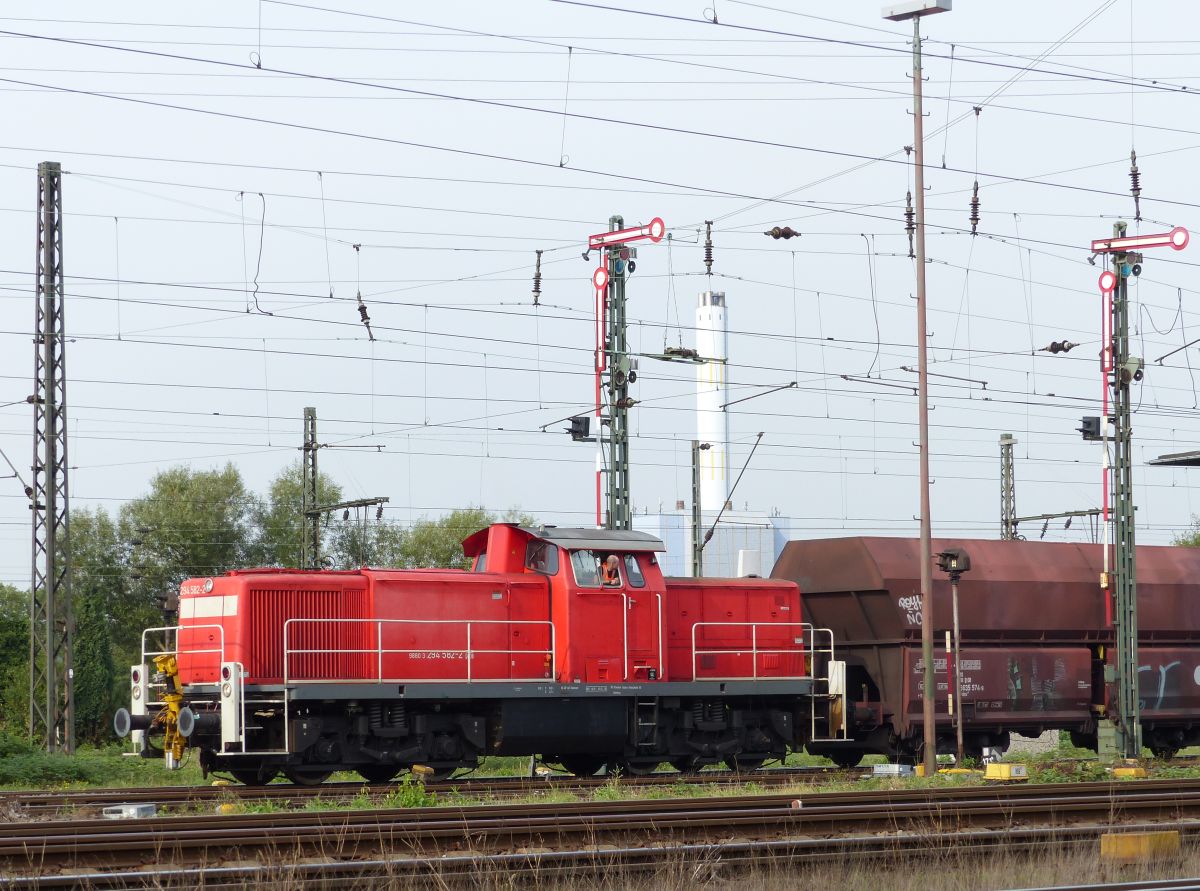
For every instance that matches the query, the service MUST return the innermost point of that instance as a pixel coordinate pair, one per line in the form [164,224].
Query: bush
[43,769]
[14,745]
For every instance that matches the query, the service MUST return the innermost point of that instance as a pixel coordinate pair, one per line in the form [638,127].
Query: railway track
[179,798]
[586,835]
[475,869]
[285,794]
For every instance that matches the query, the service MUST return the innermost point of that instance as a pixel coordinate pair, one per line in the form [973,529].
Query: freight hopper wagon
[1036,641]
[564,643]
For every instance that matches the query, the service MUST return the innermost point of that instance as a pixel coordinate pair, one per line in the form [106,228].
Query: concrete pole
[930,740]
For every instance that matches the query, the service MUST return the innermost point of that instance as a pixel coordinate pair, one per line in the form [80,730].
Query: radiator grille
[268,611]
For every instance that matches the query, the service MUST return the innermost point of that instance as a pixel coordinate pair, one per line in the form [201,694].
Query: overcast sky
[212,210]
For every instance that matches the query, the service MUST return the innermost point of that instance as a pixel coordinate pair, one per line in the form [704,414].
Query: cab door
[643,621]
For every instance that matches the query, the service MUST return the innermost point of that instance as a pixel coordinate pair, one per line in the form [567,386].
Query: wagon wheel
[378,773]
[1165,752]
[846,758]
[582,765]
[307,777]
[743,763]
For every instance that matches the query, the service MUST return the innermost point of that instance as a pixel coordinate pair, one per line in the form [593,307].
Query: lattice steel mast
[51,620]
[310,545]
[1008,489]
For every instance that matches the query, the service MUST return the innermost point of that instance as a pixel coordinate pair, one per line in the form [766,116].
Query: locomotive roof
[578,539]
[598,539]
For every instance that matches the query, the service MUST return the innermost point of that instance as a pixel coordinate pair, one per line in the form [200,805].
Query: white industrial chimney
[712,423]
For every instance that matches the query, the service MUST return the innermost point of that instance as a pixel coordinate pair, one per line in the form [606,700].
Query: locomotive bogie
[630,734]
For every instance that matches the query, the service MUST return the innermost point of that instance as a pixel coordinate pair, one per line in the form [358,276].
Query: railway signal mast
[1118,371]
[614,366]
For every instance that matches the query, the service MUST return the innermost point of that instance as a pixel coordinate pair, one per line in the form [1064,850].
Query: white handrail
[379,650]
[220,649]
[809,633]
[662,667]
[624,636]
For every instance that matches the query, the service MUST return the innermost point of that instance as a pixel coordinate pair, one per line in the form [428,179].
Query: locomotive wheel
[743,763]
[253,776]
[307,777]
[846,758]
[688,764]
[582,765]
[638,768]
[378,773]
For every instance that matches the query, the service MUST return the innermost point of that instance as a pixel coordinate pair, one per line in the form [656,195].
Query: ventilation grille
[337,640]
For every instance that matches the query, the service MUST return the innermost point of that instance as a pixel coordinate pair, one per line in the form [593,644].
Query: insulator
[910,223]
[1135,186]
[537,278]
[778,232]
[975,208]
[708,246]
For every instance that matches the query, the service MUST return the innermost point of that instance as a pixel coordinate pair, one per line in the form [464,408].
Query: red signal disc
[1108,281]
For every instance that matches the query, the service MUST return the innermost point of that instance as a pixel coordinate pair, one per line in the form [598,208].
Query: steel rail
[416,831]
[580,862]
[470,786]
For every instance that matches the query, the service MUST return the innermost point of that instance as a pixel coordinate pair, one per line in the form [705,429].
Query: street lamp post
[900,12]
[955,561]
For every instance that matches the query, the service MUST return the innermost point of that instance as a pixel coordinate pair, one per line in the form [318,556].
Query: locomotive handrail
[380,651]
[809,631]
[148,655]
[174,651]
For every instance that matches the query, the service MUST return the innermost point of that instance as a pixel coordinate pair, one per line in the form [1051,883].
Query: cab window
[541,556]
[586,566]
[633,572]
[480,563]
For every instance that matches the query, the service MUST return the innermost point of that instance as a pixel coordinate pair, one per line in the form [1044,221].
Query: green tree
[14,659]
[194,523]
[1191,537]
[101,574]
[95,672]
[427,543]
[109,619]
[279,527]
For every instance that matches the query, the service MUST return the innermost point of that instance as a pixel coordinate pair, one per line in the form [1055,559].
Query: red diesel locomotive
[567,644]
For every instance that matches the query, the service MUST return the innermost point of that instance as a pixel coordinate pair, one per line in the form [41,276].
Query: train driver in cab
[610,573]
